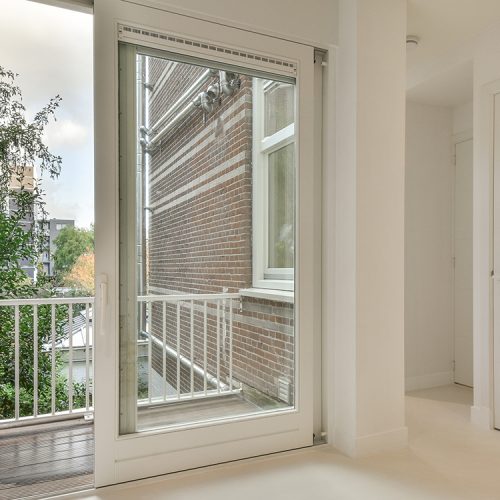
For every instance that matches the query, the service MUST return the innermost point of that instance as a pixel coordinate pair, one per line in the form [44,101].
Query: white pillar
[368,317]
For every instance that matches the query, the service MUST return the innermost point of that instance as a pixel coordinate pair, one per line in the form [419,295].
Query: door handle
[103,301]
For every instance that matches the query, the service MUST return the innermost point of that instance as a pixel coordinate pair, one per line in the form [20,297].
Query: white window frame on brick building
[265,276]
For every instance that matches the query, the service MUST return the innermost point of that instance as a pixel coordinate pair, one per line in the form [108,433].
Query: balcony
[190,358]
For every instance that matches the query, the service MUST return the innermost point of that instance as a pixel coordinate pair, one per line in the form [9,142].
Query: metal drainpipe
[141,154]
[147,158]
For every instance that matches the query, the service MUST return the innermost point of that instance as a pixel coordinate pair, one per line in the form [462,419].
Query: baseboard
[481,417]
[428,381]
[345,443]
[383,441]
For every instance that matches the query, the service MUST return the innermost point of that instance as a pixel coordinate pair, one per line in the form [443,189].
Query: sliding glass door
[196,344]
[206,298]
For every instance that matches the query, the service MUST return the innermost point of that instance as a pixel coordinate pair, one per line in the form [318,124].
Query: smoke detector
[412,42]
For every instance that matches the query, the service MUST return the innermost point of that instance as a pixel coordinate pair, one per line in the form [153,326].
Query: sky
[51,50]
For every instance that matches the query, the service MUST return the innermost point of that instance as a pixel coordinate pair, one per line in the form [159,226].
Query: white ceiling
[450,87]
[440,68]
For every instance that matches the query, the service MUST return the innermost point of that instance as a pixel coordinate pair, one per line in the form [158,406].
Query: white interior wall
[428,246]
[463,119]
[368,359]
[313,21]
[380,155]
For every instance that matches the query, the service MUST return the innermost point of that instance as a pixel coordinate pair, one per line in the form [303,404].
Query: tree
[81,275]
[24,160]
[71,243]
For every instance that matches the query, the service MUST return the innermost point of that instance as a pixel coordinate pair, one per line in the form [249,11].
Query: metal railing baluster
[218,345]
[35,360]
[70,358]
[192,347]
[53,359]
[224,333]
[178,350]
[230,345]
[164,358]
[150,351]
[16,362]
[205,375]
[87,356]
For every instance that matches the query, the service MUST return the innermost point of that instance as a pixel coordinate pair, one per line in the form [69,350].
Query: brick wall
[200,238]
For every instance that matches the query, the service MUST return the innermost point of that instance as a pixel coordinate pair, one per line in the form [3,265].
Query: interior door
[463,263]
[496,258]
[204,159]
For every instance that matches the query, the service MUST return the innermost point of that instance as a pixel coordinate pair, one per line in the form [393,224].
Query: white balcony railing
[46,328]
[182,340]
[58,334]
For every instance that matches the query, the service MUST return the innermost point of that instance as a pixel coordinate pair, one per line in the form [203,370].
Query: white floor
[447,459]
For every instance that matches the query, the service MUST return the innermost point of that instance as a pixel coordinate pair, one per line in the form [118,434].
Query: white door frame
[484,319]
[458,138]
[495,163]
[122,458]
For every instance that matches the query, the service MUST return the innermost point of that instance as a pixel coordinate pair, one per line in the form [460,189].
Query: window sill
[268,294]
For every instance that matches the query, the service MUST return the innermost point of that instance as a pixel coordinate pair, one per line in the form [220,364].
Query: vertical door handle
[103,288]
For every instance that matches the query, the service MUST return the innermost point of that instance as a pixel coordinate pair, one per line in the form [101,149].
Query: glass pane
[281,208]
[193,347]
[279,106]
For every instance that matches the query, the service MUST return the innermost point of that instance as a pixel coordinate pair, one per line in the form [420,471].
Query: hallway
[447,459]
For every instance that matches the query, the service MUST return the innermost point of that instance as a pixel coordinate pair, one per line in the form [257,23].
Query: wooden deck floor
[46,459]
[42,460]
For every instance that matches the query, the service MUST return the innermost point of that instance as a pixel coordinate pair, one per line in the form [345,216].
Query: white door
[463,263]
[496,258]
[196,174]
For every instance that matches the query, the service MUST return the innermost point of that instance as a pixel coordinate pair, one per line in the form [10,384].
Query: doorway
[462,264]
[438,289]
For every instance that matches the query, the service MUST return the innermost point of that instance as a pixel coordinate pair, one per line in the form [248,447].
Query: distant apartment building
[53,227]
[24,180]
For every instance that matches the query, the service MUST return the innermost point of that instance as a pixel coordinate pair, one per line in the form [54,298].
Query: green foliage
[22,215]
[71,243]
[44,407]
